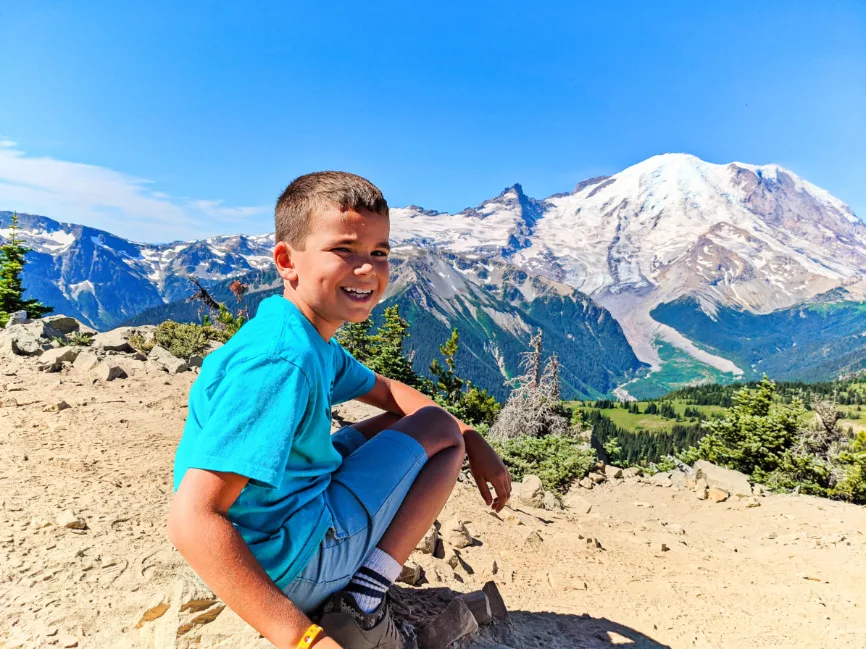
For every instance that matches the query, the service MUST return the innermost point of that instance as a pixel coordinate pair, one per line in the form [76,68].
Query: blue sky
[165,120]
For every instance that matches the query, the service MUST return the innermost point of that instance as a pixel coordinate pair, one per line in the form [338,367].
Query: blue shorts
[364,494]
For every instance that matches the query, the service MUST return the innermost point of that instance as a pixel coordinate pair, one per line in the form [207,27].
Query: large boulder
[69,325]
[160,358]
[117,340]
[531,491]
[734,482]
[53,359]
[29,339]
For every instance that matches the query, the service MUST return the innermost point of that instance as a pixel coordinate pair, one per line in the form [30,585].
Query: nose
[365,269]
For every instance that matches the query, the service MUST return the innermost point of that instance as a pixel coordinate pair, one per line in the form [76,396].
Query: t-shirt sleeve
[352,379]
[253,415]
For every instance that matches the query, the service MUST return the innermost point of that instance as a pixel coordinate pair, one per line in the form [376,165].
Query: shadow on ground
[525,629]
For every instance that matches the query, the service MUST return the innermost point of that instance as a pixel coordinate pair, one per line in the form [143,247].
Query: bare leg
[371,427]
[438,433]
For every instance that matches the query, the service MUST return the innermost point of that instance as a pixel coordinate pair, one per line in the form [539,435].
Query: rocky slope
[649,563]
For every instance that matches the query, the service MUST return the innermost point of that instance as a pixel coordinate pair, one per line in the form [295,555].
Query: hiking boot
[352,628]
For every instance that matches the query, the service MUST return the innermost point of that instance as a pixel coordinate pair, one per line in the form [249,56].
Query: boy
[275,514]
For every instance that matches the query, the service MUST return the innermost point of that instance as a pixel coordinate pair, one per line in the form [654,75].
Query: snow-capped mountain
[105,279]
[757,238]
[720,238]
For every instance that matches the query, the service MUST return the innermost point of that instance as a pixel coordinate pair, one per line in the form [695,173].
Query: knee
[436,427]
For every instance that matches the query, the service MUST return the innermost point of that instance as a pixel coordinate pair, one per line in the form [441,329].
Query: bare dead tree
[532,407]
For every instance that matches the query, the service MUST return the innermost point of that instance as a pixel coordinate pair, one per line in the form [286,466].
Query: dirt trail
[789,573]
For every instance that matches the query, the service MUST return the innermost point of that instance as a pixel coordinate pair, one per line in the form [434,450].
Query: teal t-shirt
[261,408]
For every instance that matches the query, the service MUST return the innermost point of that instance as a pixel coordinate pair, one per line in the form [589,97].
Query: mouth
[360,295]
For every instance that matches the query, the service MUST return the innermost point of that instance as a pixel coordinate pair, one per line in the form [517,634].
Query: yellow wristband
[309,636]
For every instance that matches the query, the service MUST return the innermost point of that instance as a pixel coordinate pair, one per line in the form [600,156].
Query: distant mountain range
[710,271]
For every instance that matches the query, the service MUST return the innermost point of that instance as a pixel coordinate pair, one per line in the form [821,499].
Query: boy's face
[342,271]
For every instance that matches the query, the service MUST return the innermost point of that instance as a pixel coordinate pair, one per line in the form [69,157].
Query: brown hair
[312,191]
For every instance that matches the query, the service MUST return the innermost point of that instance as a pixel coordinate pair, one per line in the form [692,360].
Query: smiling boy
[277,516]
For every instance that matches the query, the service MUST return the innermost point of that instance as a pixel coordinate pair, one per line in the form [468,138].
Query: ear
[284,262]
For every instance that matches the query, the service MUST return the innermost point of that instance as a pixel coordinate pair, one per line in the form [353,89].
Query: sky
[164,120]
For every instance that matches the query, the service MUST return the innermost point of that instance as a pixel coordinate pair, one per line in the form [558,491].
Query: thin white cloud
[113,201]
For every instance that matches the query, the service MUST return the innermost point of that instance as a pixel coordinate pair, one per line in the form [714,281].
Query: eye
[380,253]
[340,250]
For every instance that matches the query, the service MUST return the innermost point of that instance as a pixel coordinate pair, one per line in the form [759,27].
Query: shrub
[557,460]
[75,338]
[142,344]
[185,340]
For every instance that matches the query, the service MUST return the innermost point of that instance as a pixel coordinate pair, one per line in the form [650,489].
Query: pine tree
[447,382]
[12,260]
[387,350]
[355,338]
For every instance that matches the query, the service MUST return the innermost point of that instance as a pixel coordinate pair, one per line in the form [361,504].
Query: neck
[326,328]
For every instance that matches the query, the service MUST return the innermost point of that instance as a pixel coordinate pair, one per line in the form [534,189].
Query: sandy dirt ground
[788,573]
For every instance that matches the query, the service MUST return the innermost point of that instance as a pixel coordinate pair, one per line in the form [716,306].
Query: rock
[578,505]
[690,481]
[161,359]
[593,543]
[16,318]
[68,325]
[455,534]
[195,360]
[68,518]
[85,361]
[497,604]
[29,339]
[717,495]
[8,402]
[479,606]
[641,503]
[117,340]
[597,478]
[662,547]
[531,491]
[411,573]
[483,564]
[550,502]
[734,482]
[757,490]
[67,641]
[586,483]
[533,540]
[661,479]
[57,406]
[53,359]
[612,472]
[212,346]
[449,626]
[678,478]
[107,371]
[701,488]
[632,472]
[676,528]
[427,545]
[753,502]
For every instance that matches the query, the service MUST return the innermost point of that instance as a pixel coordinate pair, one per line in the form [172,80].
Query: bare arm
[200,530]
[485,464]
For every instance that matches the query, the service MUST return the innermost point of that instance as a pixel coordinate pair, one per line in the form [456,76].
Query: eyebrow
[381,244]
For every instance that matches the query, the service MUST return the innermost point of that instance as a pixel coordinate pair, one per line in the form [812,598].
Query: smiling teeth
[358,291]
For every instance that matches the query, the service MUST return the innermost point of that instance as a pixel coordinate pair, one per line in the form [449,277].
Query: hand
[486,467]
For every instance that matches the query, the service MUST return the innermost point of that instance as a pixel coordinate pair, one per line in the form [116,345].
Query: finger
[484,490]
[502,496]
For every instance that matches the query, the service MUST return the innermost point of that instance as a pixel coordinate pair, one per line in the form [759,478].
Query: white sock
[373,579]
